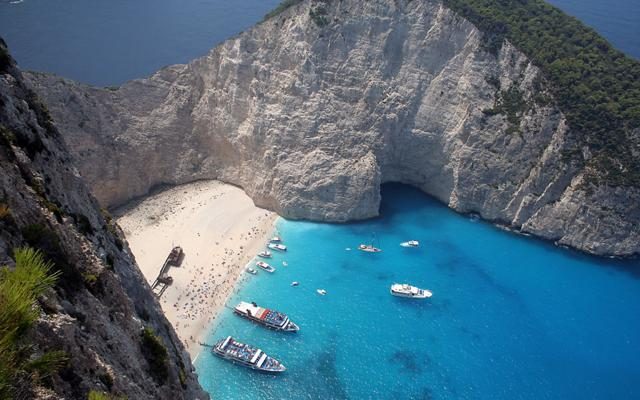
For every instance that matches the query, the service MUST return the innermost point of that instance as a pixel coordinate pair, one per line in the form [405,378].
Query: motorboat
[295,283]
[264,254]
[246,355]
[369,248]
[265,266]
[321,292]
[277,247]
[252,271]
[265,317]
[410,243]
[275,239]
[408,291]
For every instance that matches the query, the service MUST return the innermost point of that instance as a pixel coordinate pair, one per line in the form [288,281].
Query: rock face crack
[311,119]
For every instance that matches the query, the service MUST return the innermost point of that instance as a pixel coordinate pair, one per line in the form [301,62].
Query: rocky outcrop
[102,302]
[313,109]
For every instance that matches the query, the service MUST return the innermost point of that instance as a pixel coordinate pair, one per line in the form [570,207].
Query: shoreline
[220,231]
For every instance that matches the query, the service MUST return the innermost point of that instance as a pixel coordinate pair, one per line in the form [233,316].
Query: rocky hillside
[98,311]
[313,109]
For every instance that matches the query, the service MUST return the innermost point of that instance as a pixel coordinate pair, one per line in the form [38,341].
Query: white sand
[220,230]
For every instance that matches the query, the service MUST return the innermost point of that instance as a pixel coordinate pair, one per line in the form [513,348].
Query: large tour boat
[247,356]
[263,316]
[412,292]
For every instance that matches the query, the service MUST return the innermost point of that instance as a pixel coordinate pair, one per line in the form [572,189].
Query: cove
[511,317]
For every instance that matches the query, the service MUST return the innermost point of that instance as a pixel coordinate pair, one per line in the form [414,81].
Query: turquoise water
[107,42]
[511,317]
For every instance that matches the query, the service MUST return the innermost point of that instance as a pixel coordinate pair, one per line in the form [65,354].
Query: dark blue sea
[107,42]
[511,317]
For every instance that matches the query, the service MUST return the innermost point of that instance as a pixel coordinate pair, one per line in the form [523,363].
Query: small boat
[321,292]
[412,292]
[410,243]
[369,248]
[266,317]
[265,266]
[277,247]
[275,239]
[285,263]
[252,271]
[295,283]
[247,356]
[264,254]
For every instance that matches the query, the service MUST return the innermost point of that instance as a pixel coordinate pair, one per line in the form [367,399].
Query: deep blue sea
[107,42]
[511,317]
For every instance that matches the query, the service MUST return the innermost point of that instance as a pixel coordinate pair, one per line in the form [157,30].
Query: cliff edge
[101,315]
[311,110]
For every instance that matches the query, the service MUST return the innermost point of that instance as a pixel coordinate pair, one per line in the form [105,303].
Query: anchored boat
[264,254]
[265,266]
[247,356]
[275,239]
[266,317]
[410,243]
[412,292]
[277,247]
[369,248]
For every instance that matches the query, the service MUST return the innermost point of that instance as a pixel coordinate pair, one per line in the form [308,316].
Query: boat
[410,243]
[277,247]
[266,317]
[412,292]
[252,271]
[369,248]
[275,239]
[264,254]
[321,292]
[265,266]
[295,283]
[285,263]
[247,356]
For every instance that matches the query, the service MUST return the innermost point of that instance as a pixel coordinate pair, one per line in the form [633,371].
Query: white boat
[277,247]
[410,243]
[247,356]
[408,291]
[295,283]
[275,239]
[321,292]
[369,248]
[264,254]
[265,266]
[252,271]
[263,316]
[285,263]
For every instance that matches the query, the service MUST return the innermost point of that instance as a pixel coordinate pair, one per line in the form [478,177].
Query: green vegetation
[19,291]
[96,395]
[281,7]
[510,103]
[596,86]
[318,14]
[156,355]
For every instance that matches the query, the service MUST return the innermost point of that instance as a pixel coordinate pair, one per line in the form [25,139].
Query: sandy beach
[220,231]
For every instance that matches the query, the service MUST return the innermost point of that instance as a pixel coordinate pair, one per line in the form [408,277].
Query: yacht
[277,247]
[369,248]
[265,266]
[264,254]
[410,243]
[263,316]
[412,292]
[247,356]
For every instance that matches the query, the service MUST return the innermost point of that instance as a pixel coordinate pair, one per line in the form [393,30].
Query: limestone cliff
[311,110]
[101,302]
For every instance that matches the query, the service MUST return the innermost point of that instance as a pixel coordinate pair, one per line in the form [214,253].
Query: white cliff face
[311,119]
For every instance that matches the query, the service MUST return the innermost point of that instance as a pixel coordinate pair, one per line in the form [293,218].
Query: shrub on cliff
[20,288]
[156,355]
